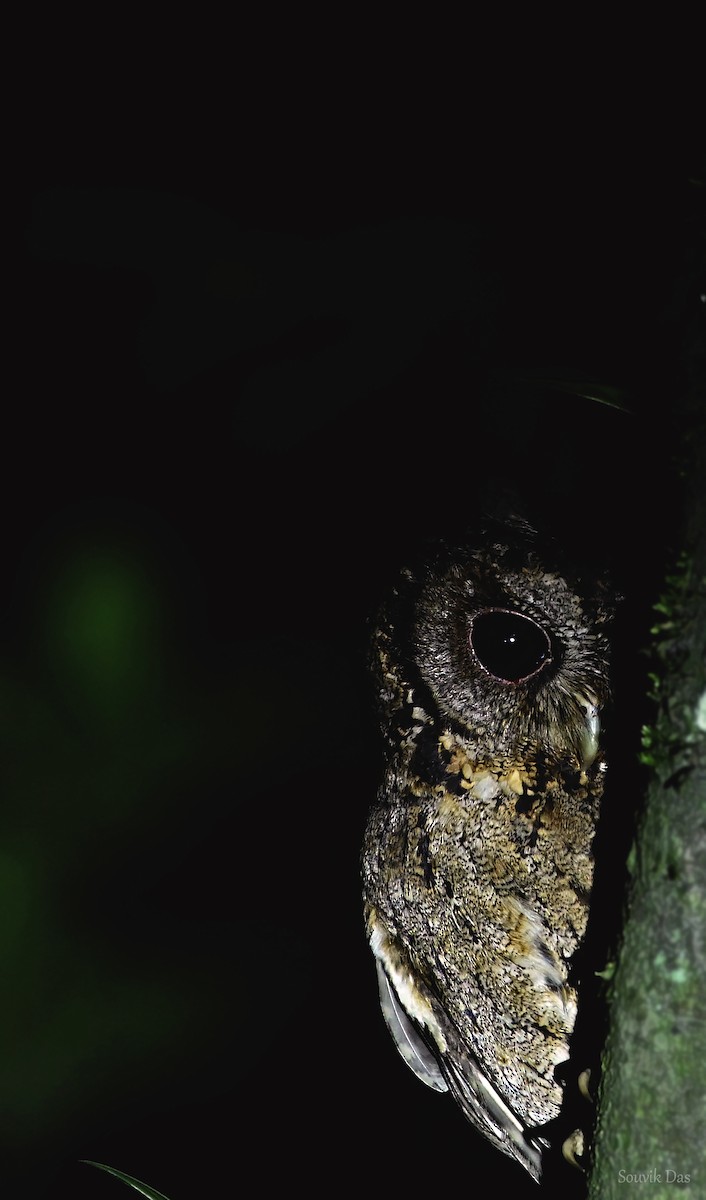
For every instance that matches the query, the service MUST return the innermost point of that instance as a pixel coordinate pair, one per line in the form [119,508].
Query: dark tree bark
[652,1098]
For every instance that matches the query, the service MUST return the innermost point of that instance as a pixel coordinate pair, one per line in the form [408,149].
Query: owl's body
[477,863]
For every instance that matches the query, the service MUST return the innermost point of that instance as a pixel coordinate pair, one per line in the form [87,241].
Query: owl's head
[502,644]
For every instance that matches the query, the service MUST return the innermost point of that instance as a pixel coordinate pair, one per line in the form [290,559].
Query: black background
[248,376]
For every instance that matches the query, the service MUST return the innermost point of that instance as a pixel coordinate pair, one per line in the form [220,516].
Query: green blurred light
[103,630]
[15,899]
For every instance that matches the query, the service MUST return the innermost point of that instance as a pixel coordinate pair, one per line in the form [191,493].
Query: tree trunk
[651,1117]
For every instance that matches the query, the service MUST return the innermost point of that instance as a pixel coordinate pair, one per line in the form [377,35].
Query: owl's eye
[509,646]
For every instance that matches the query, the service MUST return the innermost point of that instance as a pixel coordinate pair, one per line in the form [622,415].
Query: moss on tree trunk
[651,1117]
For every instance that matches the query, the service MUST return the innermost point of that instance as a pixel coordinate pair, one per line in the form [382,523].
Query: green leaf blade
[143,1188]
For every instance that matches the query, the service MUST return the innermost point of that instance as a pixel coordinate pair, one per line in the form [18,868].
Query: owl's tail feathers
[485,1109]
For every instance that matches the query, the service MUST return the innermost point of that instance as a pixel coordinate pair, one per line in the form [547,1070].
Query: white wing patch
[398,974]
[414,1051]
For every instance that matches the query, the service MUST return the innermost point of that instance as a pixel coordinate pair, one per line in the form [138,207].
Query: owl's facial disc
[510,647]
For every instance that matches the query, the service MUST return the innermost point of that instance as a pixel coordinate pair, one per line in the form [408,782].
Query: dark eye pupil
[510,647]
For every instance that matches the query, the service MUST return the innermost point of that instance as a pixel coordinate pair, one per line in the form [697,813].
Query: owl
[491,669]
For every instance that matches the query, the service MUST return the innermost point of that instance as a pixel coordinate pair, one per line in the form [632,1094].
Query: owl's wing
[456,1070]
[406,1035]
[485,1108]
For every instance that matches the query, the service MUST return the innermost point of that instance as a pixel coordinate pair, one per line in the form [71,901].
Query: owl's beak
[592,728]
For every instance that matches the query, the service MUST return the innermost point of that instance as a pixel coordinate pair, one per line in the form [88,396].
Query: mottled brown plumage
[491,670]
